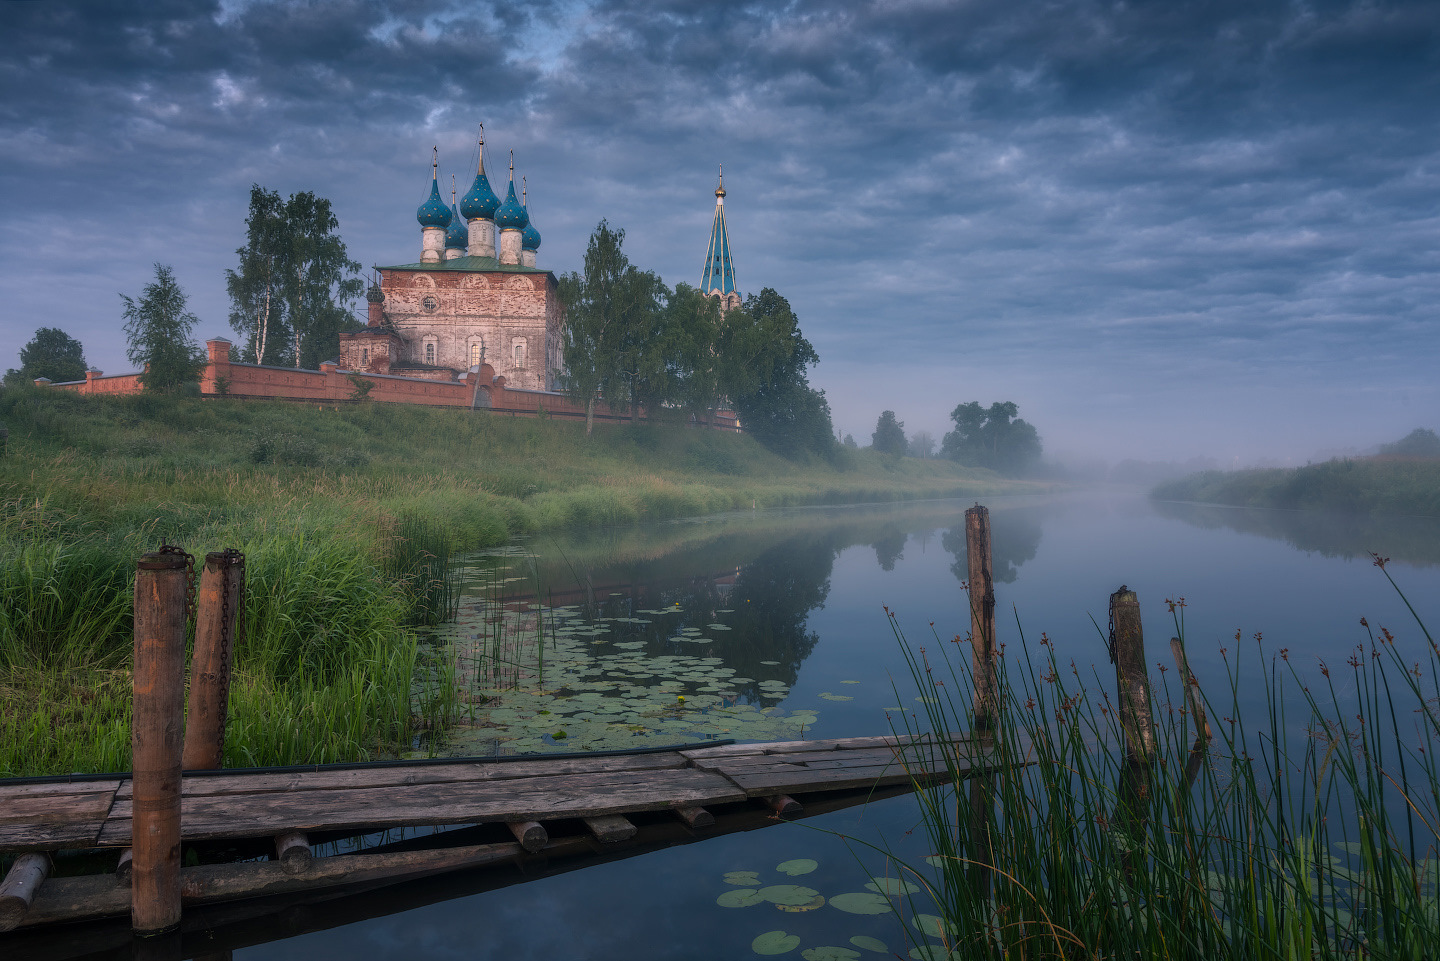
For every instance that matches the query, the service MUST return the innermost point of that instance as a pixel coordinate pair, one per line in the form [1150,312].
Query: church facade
[475,297]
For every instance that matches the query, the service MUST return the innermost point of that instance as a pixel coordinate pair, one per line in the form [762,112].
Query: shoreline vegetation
[1404,478]
[329,506]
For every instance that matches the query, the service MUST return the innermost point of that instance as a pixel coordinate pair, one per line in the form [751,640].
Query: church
[477,297]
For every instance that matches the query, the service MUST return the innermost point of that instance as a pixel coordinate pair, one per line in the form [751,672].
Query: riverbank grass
[343,514]
[1306,832]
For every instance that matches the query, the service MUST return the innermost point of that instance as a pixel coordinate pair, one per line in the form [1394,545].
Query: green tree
[320,280]
[51,353]
[257,306]
[889,436]
[764,359]
[290,296]
[158,328]
[922,444]
[695,324]
[608,306]
[993,437]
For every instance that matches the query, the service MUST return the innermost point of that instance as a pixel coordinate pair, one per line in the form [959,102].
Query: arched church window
[364,356]
[520,354]
[475,355]
[430,353]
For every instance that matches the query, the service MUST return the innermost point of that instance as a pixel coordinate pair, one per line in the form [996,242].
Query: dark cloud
[1155,211]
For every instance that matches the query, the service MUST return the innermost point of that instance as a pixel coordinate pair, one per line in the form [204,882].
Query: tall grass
[1308,832]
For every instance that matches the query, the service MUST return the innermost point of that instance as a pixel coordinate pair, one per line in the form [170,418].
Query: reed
[1309,831]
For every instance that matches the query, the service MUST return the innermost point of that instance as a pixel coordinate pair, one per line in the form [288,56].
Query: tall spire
[719,276]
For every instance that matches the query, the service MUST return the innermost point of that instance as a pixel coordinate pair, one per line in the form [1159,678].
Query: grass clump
[1310,834]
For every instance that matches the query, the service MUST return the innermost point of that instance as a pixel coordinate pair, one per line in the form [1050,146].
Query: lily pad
[797,866]
[932,952]
[836,697]
[791,894]
[739,898]
[929,924]
[828,953]
[775,942]
[861,902]
[869,944]
[893,886]
[936,861]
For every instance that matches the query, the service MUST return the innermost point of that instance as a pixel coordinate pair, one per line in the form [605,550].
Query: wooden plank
[351,778]
[531,834]
[611,828]
[10,792]
[784,805]
[916,756]
[41,823]
[95,896]
[695,817]
[800,780]
[541,798]
[18,889]
[822,744]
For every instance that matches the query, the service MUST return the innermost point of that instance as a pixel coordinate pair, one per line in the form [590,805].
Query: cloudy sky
[1163,229]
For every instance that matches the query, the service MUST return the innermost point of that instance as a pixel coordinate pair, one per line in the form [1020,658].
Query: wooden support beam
[531,834]
[695,817]
[611,827]
[17,891]
[292,850]
[125,870]
[220,601]
[784,805]
[161,587]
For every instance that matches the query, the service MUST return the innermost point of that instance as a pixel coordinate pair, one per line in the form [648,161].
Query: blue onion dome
[530,237]
[433,212]
[511,216]
[457,235]
[481,200]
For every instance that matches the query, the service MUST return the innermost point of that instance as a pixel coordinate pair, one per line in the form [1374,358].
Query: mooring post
[161,582]
[220,602]
[1132,681]
[982,614]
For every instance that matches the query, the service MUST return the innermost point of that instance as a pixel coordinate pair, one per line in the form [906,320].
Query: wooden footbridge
[565,806]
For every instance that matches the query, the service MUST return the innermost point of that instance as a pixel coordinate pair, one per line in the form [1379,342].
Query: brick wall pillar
[217,366]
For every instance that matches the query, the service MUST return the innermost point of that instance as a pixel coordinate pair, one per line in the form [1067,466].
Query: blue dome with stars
[511,216]
[481,200]
[529,237]
[457,236]
[433,212]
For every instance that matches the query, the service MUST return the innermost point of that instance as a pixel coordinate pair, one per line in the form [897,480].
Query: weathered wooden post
[1132,681]
[220,603]
[981,585]
[161,587]
[982,614]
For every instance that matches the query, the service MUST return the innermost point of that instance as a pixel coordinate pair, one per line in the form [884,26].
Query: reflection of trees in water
[890,547]
[1415,540]
[1014,539]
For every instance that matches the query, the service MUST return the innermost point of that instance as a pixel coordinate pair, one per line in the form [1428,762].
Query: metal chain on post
[189,578]
[1111,641]
[228,628]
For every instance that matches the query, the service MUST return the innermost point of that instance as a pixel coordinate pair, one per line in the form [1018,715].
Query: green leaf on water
[936,861]
[742,877]
[828,953]
[892,886]
[931,925]
[1349,847]
[739,898]
[869,944]
[775,942]
[836,697]
[790,894]
[932,952]
[797,866]
[861,902]
[849,682]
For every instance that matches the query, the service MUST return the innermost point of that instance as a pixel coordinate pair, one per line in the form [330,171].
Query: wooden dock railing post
[221,599]
[161,588]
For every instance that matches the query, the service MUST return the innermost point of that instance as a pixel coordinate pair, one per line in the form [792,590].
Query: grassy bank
[1365,485]
[321,501]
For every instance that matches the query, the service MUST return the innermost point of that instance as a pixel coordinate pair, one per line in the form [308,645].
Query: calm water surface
[803,646]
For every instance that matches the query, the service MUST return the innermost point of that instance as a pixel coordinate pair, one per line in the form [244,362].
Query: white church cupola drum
[512,221]
[529,237]
[478,207]
[718,279]
[434,218]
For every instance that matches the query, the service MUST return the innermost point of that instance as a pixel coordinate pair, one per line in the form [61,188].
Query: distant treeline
[1404,478]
